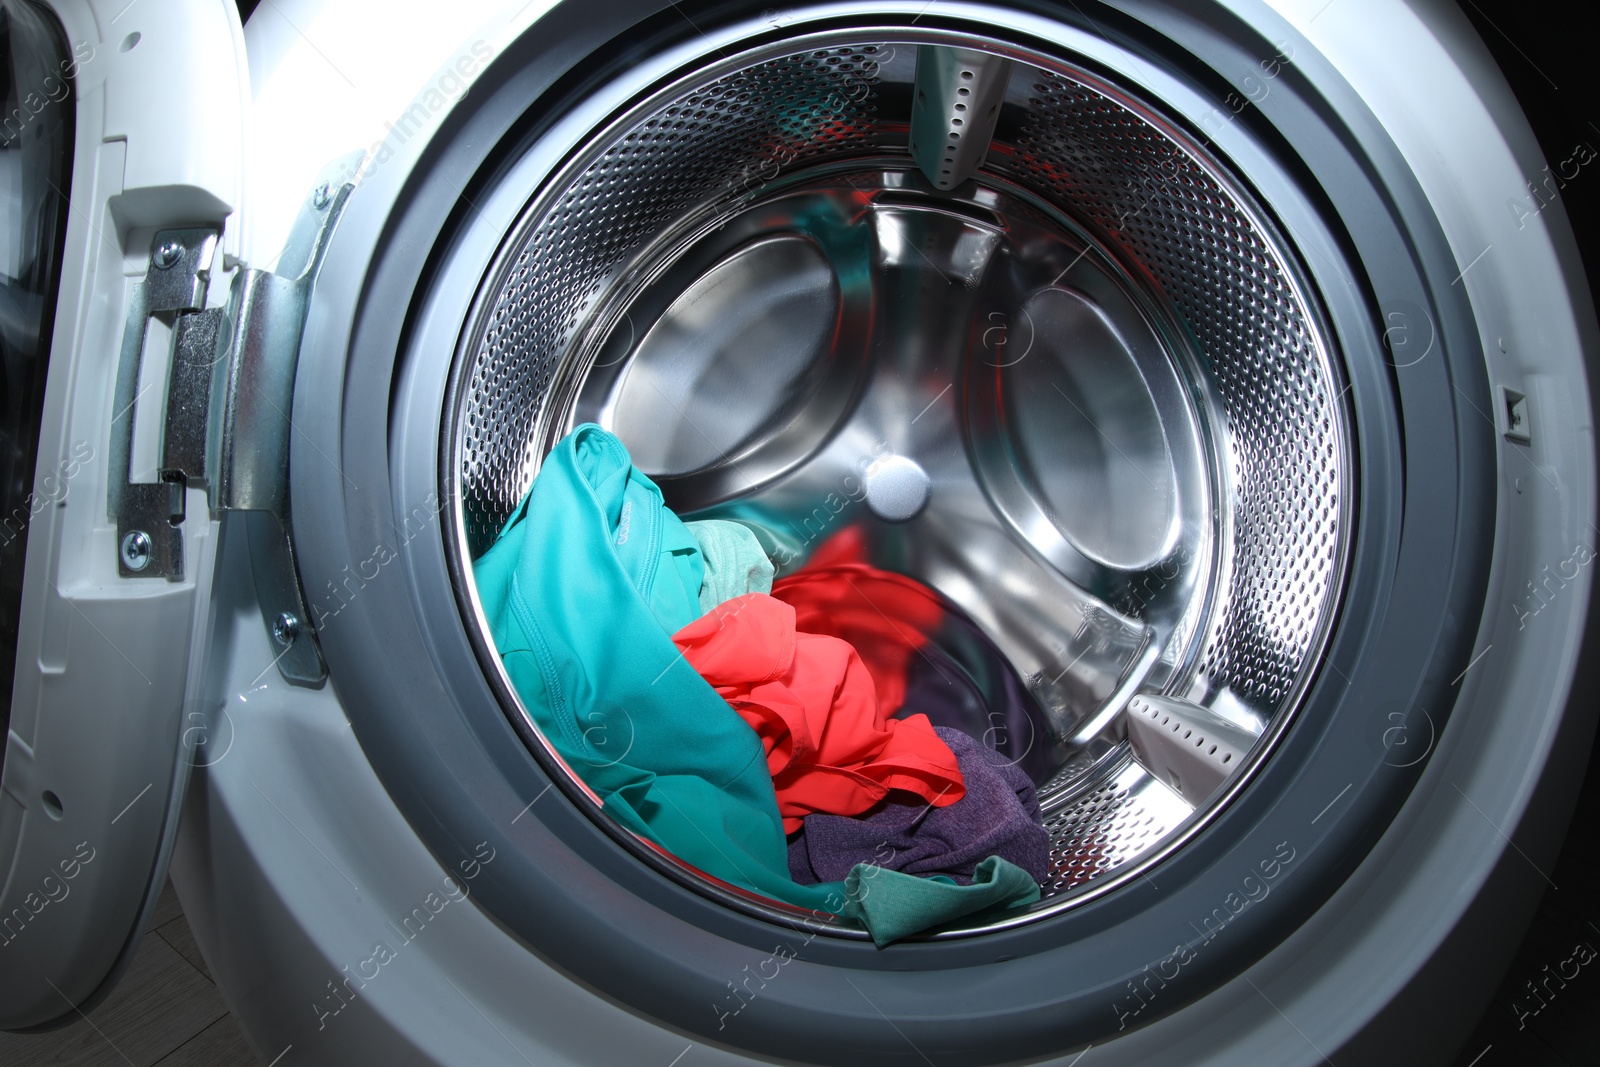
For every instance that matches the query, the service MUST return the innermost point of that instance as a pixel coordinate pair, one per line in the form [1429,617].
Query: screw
[136,550]
[168,253]
[322,196]
[285,629]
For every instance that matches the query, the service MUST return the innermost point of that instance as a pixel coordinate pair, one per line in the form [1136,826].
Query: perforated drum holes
[1274,376]
[799,109]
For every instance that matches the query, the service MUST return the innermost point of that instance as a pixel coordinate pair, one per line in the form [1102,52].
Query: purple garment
[999,816]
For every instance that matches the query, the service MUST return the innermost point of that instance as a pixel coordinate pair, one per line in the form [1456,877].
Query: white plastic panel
[328,79]
[101,695]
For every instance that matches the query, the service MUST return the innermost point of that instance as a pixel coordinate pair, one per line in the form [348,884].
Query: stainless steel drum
[1083,393]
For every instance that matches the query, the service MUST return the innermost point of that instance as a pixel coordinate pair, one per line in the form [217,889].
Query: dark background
[1552,65]
[1551,61]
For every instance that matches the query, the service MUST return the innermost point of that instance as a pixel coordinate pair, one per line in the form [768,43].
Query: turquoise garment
[892,905]
[735,563]
[583,589]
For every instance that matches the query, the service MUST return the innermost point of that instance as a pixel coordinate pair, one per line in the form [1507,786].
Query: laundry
[999,816]
[886,617]
[734,561]
[829,745]
[922,653]
[588,579]
[582,590]
[892,905]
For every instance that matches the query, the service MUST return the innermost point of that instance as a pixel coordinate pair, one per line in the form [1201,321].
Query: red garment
[885,617]
[829,745]
[849,545]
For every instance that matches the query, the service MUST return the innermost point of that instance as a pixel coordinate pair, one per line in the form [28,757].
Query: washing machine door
[123,299]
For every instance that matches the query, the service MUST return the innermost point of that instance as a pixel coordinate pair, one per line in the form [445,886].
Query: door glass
[36,112]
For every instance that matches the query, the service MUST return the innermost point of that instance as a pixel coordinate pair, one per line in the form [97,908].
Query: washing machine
[1225,363]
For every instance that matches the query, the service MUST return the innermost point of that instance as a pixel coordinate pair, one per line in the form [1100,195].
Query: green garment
[735,563]
[582,591]
[892,905]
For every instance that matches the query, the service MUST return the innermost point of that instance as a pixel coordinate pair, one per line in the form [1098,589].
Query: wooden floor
[164,1013]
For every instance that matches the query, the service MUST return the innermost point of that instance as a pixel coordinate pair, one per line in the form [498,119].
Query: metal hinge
[230,387]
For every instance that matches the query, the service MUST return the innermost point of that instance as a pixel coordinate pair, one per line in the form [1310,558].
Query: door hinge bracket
[227,426]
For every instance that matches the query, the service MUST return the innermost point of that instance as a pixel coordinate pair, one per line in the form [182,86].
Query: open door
[120,175]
